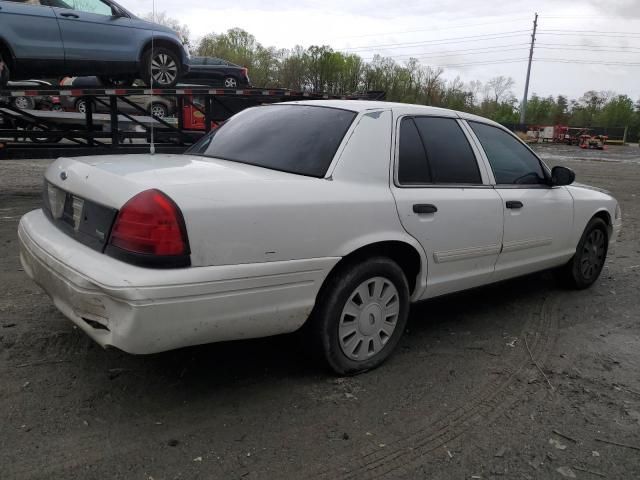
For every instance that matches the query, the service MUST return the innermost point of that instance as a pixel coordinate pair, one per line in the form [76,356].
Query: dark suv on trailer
[57,38]
[216,71]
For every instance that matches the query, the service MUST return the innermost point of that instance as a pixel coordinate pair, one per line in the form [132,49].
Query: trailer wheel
[35,128]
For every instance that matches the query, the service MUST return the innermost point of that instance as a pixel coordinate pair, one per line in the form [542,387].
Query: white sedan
[333,215]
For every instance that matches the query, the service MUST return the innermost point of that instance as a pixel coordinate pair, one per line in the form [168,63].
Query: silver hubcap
[593,254]
[230,83]
[158,111]
[369,318]
[81,107]
[163,69]
[21,102]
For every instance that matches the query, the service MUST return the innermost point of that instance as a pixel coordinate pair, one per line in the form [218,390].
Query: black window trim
[533,186]
[457,186]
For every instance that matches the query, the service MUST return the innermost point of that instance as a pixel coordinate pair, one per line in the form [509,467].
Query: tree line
[322,69]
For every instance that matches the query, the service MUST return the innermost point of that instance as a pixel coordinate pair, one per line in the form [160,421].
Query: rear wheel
[585,266]
[230,82]
[162,66]
[360,315]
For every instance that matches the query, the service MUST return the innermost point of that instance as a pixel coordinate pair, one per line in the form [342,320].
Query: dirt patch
[461,398]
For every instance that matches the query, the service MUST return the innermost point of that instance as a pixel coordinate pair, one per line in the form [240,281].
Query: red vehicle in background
[568,135]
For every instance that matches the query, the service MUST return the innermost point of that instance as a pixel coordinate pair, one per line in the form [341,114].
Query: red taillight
[150,224]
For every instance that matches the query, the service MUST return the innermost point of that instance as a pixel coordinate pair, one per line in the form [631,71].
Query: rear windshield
[298,139]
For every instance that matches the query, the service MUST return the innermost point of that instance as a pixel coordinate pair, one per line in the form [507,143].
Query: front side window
[300,139]
[88,6]
[512,163]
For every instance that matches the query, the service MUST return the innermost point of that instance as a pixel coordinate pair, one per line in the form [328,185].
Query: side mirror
[562,176]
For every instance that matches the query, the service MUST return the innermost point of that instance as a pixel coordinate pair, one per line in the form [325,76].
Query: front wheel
[162,66]
[360,315]
[587,263]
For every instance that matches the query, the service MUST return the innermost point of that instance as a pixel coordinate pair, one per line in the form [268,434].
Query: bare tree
[500,87]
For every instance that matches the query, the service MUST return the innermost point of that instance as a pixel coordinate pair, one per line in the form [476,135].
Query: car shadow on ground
[215,366]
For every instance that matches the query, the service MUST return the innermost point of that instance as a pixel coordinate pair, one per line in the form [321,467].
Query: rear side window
[450,156]
[412,161]
[298,139]
[511,162]
[435,150]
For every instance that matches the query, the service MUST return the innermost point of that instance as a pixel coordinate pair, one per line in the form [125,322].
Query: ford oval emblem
[63,175]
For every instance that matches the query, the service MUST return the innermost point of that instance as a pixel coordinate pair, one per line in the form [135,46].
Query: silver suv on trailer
[56,38]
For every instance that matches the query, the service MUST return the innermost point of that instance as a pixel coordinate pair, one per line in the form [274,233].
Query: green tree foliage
[319,68]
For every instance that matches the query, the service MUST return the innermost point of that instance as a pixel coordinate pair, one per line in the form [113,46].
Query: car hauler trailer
[43,134]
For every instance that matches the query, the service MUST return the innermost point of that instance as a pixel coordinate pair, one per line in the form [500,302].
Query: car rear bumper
[143,311]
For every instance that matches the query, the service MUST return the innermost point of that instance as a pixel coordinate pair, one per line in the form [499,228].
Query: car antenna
[152,146]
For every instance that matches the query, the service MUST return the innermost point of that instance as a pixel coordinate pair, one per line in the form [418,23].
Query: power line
[490,36]
[436,29]
[595,50]
[589,31]
[465,51]
[496,62]
[589,46]
[581,34]
[586,62]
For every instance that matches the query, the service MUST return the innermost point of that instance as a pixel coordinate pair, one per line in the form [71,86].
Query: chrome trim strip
[465,253]
[516,245]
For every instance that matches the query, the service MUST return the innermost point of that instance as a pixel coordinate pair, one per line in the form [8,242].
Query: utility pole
[523,110]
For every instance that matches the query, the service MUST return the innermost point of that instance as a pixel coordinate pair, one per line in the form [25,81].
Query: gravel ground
[461,398]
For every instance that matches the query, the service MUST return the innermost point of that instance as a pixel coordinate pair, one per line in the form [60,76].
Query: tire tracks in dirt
[399,458]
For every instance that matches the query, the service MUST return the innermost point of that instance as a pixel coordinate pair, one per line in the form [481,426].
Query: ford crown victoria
[334,216]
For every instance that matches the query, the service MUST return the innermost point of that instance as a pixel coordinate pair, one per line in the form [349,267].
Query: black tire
[329,314]
[159,110]
[4,72]
[24,103]
[81,103]
[34,128]
[230,82]
[117,82]
[585,266]
[161,77]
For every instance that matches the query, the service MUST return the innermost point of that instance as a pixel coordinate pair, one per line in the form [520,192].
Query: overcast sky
[433,31]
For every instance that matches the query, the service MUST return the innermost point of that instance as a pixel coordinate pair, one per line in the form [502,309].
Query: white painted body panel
[539,233]
[263,242]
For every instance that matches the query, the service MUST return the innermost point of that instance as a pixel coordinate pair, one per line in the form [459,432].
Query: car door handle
[514,204]
[69,15]
[424,208]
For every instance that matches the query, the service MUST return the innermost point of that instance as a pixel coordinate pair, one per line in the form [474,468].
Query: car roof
[398,108]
